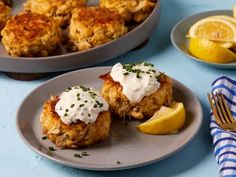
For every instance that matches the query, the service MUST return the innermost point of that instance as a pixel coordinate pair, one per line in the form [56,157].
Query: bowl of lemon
[208,37]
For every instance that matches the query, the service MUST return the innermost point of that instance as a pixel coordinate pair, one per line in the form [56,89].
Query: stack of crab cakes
[30,34]
[46,24]
[130,10]
[60,10]
[93,26]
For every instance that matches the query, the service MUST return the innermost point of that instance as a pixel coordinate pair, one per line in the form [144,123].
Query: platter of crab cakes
[41,36]
[109,118]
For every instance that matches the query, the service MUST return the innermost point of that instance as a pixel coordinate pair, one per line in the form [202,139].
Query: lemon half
[166,120]
[214,28]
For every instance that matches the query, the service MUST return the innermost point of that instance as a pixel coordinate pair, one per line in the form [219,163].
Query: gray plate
[125,144]
[68,61]
[181,29]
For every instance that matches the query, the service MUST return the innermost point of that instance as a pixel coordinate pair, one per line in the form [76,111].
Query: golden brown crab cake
[4,14]
[60,10]
[30,34]
[120,105]
[136,10]
[93,26]
[76,134]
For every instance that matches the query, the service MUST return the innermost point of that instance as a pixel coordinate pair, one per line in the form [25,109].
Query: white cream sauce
[80,103]
[138,80]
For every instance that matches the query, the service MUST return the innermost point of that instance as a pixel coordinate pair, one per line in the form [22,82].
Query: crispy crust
[93,26]
[121,106]
[60,10]
[4,14]
[76,134]
[136,10]
[31,34]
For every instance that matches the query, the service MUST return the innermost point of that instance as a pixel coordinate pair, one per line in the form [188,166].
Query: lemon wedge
[234,11]
[210,51]
[166,120]
[211,28]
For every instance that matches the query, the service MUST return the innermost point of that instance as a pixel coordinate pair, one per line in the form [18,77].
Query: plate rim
[113,167]
[175,28]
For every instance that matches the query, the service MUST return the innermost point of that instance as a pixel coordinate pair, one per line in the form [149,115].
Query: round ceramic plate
[181,42]
[125,147]
[67,61]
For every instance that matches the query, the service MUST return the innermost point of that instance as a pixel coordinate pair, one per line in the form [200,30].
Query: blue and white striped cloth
[224,142]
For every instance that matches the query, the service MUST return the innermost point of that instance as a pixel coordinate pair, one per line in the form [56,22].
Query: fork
[221,112]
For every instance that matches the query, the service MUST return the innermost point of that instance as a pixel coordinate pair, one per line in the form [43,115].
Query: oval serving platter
[69,61]
[125,147]
[180,42]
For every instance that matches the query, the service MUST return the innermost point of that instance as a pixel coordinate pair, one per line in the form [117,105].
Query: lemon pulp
[214,28]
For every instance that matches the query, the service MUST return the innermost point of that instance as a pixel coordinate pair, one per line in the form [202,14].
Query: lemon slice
[210,51]
[216,29]
[166,120]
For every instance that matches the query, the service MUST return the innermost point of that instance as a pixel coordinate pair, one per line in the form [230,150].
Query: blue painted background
[195,160]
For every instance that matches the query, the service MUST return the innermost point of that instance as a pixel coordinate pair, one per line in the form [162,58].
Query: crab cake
[79,117]
[31,34]
[136,90]
[4,14]
[60,10]
[136,10]
[93,26]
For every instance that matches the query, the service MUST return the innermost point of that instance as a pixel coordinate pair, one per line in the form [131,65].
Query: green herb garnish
[81,105]
[84,88]
[72,105]
[68,89]
[118,162]
[51,148]
[93,95]
[78,156]
[85,154]
[44,138]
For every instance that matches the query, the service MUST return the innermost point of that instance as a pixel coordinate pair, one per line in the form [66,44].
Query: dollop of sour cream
[138,80]
[80,103]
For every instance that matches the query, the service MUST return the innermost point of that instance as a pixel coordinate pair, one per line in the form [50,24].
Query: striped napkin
[224,142]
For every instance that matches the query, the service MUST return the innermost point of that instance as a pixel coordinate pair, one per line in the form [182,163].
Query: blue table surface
[195,160]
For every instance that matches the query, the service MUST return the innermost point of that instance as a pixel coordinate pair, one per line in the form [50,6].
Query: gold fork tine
[222,109]
[227,109]
[218,109]
[218,120]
